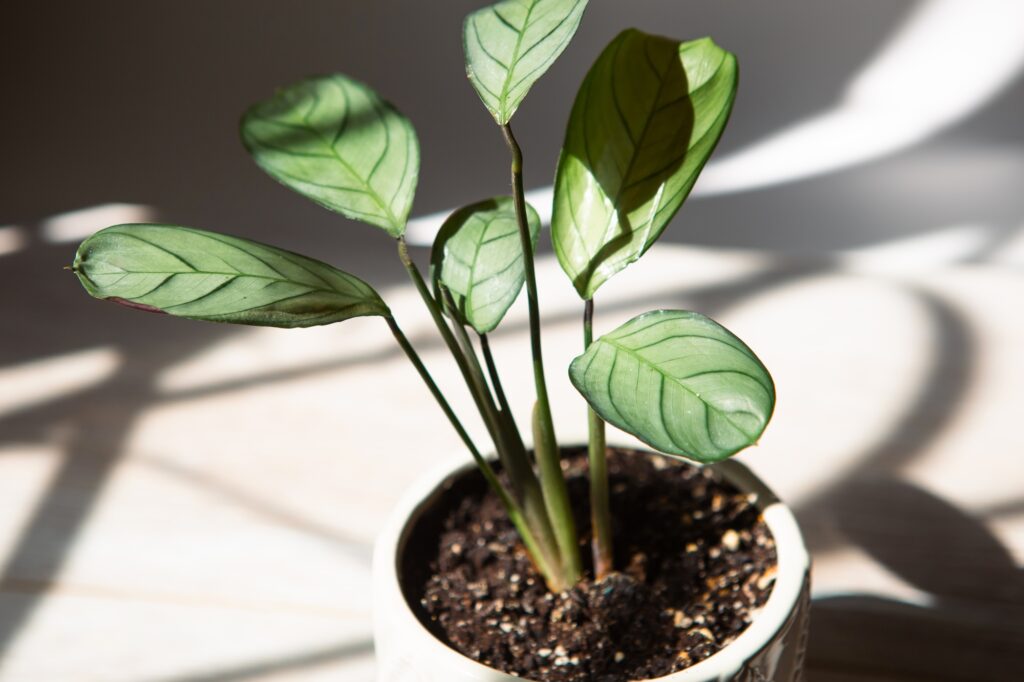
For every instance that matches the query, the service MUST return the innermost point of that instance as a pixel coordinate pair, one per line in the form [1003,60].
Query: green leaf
[680,382]
[207,276]
[511,44]
[335,141]
[478,256]
[647,117]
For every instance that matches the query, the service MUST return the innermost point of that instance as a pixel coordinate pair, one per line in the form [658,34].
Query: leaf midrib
[474,283]
[368,189]
[505,86]
[233,275]
[625,184]
[679,382]
[638,144]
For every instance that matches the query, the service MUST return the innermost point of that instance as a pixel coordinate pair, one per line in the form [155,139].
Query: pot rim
[793,563]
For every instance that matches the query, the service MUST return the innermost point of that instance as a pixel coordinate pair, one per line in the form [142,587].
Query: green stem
[492,372]
[504,411]
[600,513]
[516,461]
[544,549]
[480,398]
[552,480]
[417,362]
[428,300]
[515,512]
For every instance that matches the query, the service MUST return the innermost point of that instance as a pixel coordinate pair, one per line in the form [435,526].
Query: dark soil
[696,563]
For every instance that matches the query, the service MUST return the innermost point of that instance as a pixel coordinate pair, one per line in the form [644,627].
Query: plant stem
[600,513]
[428,299]
[515,512]
[492,372]
[526,487]
[417,362]
[518,465]
[480,398]
[552,480]
[504,411]
[516,461]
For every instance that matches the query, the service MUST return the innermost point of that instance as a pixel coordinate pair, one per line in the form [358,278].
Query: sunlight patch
[40,381]
[77,225]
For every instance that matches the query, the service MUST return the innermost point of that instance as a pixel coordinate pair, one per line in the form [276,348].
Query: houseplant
[646,119]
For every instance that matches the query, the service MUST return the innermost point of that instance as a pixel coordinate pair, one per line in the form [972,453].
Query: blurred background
[181,501]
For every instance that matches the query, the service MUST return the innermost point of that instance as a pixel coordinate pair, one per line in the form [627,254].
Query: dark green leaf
[335,141]
[512,44]
[207,276]
[680,382]
[478,256]
[646,119]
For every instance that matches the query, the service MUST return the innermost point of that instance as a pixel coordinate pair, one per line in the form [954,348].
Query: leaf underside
[334,140]
[680,382]
[478,257]
[646,118]
[511,44]
[208,276]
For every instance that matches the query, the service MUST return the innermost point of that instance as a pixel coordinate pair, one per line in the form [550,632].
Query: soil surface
[695,562]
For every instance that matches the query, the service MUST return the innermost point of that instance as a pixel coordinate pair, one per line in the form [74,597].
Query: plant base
[695,558]
[696,563]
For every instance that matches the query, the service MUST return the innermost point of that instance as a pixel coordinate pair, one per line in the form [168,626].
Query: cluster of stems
[536,496]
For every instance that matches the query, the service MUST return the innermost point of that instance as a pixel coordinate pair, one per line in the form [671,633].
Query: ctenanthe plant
[646,118]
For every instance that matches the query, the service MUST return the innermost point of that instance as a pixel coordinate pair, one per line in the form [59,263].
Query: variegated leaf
[646,119]
[511,44]
[335,141]
[680,382]
[208,276]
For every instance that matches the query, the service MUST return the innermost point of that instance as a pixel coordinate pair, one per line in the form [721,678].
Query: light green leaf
[646,119]
[680,382]
[207,276]
[511,44]
[478,256]
[335,141]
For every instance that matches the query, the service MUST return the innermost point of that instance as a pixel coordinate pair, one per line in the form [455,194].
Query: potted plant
[700,574]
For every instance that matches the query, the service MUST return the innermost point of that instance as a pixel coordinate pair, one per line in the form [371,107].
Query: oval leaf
[512,44]
[335,141]
[207,276]
[478,256]
[646,119]
[680,382]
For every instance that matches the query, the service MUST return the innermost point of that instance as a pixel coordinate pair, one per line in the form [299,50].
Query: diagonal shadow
[97,423]
[281,515]
[284,664]
[935,404]
[711,297]
[972,630]
[958,561]
[1000,509]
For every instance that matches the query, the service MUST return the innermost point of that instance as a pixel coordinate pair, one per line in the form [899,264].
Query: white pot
[771,649]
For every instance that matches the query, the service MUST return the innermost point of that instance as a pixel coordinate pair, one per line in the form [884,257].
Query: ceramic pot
[771,649]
